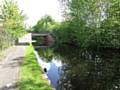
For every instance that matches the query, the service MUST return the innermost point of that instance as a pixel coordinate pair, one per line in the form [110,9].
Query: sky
[35,9]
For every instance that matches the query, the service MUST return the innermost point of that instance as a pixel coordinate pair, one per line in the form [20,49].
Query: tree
[111,25]
[45,24]
[12,18]
[93,23]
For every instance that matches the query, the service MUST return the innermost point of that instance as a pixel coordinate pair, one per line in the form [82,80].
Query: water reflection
[84,70]
[46,54]
[53,74]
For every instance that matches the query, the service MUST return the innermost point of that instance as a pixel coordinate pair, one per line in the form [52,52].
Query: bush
[5,40]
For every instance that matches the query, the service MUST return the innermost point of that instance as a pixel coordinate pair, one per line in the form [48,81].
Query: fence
[5,40]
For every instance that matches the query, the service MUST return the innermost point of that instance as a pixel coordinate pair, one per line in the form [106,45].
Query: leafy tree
[93,23]
[45,24]
[111,25]
[12,18]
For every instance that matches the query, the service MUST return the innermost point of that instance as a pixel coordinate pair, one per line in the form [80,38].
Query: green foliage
[31,74]
[92,23]
[64,34]
[5,41]
[45,24]
[12,18]
[111,25]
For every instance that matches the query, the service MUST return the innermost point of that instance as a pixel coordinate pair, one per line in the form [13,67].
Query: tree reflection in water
[87,70]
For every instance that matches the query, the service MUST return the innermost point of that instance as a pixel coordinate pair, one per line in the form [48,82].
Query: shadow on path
[14,62]
[11,86]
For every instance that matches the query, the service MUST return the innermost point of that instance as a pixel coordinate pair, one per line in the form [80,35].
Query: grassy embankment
[31,74]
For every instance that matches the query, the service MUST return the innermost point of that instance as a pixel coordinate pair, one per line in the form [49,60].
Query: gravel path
[10,68]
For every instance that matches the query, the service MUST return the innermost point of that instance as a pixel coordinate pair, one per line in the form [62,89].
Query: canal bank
[32,76]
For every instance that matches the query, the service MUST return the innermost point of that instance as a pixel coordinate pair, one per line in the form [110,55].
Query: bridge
[38,40]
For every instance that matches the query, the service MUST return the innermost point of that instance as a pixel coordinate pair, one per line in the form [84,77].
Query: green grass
[31,74]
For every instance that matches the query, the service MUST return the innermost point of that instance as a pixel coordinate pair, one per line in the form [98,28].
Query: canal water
[52,70]
[70,68]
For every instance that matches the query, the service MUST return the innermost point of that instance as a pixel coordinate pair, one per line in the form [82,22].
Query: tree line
[12,22]
[92,23]
[88,24]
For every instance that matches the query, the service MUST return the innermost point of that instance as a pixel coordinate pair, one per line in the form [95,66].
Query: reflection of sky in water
[53,69]
[53,74]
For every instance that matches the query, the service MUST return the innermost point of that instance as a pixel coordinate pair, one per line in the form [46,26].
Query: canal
[71,68]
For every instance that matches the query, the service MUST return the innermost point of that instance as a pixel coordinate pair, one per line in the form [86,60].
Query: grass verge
[31,74]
